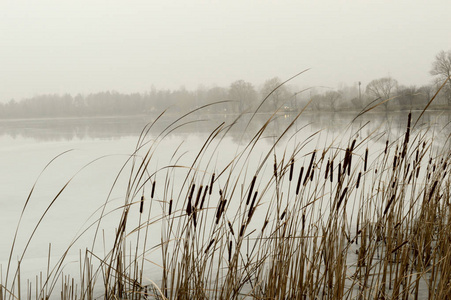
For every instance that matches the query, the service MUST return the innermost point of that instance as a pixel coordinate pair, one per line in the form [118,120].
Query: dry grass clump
[341,221]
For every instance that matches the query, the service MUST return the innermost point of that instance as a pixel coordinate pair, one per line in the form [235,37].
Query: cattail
[141,206]
[242,230]
[394,162]
[358,180]
[230,251]
[251,208]
[209,245]
[418,171]
[211,183]
[327,170]
[444,166]
[283,215]
[386,147]
[264,225]
[220,210]
[231,228]
[191,192]
[203,197]
[349,165]
[299,180]
[199,192]
[189,208]
[339,172]
[366,160]
[307,175]
[332,171]
[195,218]
[406,139]
[153,190]
[353,145]
[170,207]
[251,188]
[311,175]
[291,170]
[275,169]
[432,190]
[346,160]
[342,197]
[388,204]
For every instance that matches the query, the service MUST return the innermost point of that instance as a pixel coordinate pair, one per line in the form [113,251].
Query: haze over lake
[99,147]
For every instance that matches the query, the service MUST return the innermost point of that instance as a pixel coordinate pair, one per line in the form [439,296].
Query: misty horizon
[88,47]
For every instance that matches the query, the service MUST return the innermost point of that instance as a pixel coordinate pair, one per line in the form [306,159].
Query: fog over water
[90,46]
[81,81]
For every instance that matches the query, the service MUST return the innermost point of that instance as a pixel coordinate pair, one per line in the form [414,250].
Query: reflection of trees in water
[392,125]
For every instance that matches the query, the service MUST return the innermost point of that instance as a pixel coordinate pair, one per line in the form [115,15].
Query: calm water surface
[89,153]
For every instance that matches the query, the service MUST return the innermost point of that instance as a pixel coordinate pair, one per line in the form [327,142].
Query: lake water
[90,153]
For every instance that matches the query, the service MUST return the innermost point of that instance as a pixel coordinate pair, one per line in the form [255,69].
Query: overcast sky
[128,46]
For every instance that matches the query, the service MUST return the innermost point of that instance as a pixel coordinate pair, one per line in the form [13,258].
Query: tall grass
[342,221]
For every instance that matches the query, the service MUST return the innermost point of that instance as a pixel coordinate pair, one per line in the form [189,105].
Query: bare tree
[331,98]
[276,96]
[441,68]
[244,93]
[382,88]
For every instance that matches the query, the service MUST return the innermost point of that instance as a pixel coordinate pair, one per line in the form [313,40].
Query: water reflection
[391,124]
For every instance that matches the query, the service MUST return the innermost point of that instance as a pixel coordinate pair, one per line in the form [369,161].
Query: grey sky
[128,46]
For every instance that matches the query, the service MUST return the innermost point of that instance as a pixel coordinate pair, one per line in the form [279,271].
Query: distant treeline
[241,96]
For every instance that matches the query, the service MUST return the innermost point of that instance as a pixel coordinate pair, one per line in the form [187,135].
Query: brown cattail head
[252,208]
[251,188]
[307,175]
[199,192]
[243,227]
[264,225]
[209,245]
[299,180]
[358,180]
[191,192]
[366,160]
[170,207]
[389,204]
[231,228]
[342,197]
[220,210]
[283,214]
[189,208]
[141,205]
[203,197]
[291,169]
[153,190]
[327,170]
[211,183]
[230,250]
[332,171]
